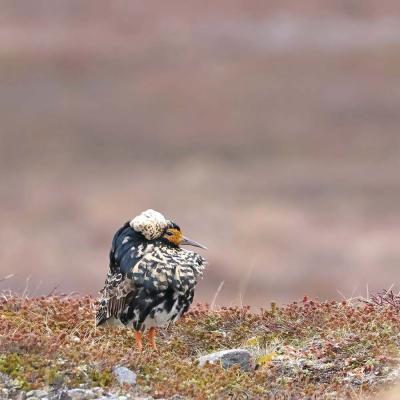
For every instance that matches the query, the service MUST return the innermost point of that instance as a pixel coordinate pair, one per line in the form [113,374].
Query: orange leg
[152,338]
[138,340]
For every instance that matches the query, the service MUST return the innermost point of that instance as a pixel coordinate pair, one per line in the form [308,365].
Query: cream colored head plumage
[151,224]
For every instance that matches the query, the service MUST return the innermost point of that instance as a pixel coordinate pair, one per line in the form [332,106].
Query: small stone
[110,397]
[99,392]
[124,376]
[229,358]
[21,395]
[37,393]
[63,395]
[79,394]
[33,398]
[147,398]
[4,378]
[4,393]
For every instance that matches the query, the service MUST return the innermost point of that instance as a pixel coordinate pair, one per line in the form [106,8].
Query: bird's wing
[116,294]
[118,289]
[164,267]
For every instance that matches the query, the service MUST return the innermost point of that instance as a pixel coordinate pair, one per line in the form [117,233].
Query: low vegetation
[327,350]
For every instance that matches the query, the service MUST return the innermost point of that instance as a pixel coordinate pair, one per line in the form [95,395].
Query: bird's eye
[169,233]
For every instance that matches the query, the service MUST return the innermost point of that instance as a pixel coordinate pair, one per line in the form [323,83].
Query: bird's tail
[101,317]
[101,313]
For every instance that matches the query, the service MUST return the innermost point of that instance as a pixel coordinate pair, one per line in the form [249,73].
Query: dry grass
[330,349]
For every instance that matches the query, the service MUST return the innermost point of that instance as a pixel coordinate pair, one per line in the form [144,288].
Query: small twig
[342,295]
[216,295]
[52,291]
[245,282]
[386,297]
[26,287]
[36,289]
[9,276]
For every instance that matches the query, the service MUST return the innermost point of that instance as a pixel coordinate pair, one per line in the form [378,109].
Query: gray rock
[110,397]
[143,398]
[78,394]
[21,395]
[229,358]
[37,393]
[124,376]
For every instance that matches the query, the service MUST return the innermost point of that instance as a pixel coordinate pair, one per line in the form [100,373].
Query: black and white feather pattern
[149,283]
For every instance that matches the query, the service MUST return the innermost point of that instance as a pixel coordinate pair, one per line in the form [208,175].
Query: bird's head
[153,225]
[173,234]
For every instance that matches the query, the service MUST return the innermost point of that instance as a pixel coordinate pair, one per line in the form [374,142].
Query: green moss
[12,364]
[53,377]
[101,378]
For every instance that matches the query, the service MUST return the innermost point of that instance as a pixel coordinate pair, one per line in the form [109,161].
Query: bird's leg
[138,340]
[152,338]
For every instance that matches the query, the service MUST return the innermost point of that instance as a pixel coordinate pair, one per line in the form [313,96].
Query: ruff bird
[151,278]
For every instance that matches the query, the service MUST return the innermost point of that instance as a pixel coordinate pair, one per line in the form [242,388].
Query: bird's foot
[138,340]
[152,338]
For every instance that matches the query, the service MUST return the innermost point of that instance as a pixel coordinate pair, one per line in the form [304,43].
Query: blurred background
[269,130]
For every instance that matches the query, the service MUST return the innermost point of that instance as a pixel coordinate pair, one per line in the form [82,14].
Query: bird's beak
[188,242]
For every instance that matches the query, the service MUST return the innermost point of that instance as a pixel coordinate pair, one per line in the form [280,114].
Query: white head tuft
[150,224]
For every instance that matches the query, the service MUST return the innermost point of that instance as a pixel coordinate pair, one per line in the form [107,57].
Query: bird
[151,278]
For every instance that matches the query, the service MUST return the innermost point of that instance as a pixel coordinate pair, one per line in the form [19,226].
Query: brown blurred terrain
[268,130]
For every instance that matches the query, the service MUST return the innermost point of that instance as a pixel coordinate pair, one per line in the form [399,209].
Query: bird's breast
[164,313]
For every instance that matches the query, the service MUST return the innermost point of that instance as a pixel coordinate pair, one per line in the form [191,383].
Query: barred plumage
[151,279]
